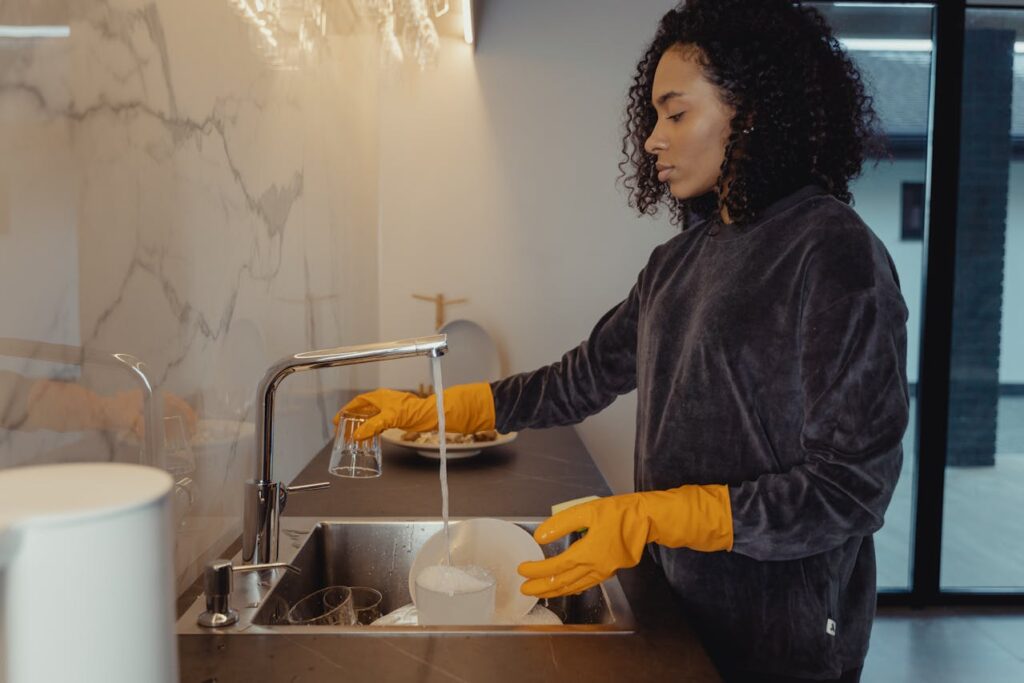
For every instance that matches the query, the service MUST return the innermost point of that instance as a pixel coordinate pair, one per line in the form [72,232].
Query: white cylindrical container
[86,574]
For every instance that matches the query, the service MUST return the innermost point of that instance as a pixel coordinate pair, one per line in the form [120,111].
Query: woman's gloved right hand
[468,408]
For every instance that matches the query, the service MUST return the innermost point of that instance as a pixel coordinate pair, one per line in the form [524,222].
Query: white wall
[498,184]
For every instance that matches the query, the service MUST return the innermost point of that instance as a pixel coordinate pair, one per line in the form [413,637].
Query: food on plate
[432,439]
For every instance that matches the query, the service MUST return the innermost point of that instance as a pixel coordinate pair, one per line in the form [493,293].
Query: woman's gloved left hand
[618,528]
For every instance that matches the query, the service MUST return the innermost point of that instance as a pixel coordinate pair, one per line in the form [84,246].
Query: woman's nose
[653,143]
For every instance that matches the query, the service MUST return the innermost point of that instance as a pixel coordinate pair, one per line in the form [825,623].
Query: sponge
[558,507]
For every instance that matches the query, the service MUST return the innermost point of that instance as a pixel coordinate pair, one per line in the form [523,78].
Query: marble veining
[175,192]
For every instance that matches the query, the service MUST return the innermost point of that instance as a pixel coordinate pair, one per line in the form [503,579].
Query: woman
[767,343]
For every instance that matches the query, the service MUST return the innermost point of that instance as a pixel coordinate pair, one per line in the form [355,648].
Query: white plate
[455,450]
[407,615]
[494,544]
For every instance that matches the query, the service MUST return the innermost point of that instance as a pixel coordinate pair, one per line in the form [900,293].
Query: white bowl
[497,546]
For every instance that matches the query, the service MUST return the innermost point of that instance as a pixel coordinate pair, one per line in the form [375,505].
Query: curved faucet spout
[263,499]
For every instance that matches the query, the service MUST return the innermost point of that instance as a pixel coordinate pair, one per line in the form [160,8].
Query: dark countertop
[521,479]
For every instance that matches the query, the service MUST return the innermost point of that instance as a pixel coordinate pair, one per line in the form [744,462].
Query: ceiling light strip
[8,31]
[900,45]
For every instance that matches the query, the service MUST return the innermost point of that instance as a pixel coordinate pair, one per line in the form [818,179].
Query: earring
[748,131]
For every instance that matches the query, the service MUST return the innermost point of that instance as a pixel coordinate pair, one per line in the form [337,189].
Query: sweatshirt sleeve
[586,380]
[855,411]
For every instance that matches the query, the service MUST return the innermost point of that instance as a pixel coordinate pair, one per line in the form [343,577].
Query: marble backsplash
[176,187]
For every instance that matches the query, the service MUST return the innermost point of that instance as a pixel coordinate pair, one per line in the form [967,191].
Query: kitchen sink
[378,553]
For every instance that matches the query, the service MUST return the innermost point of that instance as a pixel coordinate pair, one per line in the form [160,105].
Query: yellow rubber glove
[618,528]
[468,408]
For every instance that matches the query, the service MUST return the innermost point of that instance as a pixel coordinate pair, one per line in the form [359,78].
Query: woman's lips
[664,172]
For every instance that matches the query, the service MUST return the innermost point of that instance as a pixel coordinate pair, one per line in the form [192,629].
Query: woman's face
[693,125]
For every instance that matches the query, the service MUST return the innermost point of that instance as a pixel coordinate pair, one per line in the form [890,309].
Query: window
[982,541]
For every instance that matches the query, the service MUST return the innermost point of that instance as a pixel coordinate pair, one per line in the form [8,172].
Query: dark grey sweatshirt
[771,358]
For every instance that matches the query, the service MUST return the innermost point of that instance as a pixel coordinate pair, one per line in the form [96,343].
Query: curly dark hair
[794,89]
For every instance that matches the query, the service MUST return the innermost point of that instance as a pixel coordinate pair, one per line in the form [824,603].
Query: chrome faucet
[265,498]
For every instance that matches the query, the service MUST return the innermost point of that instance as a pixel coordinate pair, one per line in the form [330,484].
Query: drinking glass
[313,609]
[351,458]
[365,601]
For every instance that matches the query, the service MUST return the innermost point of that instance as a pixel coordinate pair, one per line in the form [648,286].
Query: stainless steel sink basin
[378,553]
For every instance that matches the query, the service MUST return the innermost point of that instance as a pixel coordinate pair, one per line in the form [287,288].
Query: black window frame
[933,389]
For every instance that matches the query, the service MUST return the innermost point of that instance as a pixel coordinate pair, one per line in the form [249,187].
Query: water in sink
[455,595]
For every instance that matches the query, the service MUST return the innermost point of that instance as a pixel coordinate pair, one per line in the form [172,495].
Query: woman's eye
[676,117]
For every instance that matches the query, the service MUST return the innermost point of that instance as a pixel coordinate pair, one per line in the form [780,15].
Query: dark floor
[946,646]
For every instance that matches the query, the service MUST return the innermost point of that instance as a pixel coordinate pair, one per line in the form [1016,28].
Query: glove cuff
[469,408]
[691,516]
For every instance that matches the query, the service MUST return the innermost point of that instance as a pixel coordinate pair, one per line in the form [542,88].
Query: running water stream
[439,393]
[446,594]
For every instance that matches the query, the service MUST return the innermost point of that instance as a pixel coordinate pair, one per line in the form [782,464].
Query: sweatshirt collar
[718,230]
